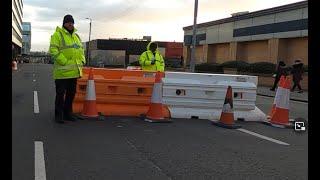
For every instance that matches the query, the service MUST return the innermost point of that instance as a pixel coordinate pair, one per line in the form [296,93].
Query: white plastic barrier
[212,77]
[195,95]
[188,113]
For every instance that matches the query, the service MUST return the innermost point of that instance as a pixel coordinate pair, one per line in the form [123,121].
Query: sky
[132,19]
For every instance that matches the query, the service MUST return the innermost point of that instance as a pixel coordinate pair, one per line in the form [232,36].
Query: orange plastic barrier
[119,92]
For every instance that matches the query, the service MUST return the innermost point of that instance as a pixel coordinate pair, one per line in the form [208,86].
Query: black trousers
[295,84]
[65,92]
[275,83]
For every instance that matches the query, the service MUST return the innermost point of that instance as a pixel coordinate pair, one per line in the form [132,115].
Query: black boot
[70,117]
[59,118]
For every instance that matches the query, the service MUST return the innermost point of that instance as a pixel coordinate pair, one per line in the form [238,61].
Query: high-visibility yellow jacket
[67,52]
[146,58]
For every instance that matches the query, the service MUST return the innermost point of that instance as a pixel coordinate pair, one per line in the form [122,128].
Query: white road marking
[39,164]
[263,137]
[36,102]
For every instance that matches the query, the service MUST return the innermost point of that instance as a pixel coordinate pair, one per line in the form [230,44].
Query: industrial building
[17,15]
[269,35]
[26,38]
[125,51]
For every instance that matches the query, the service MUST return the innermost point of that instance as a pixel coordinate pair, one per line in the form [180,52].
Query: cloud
[163,20]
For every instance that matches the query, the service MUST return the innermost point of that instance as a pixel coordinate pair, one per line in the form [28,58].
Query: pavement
[129,148]
[295,96]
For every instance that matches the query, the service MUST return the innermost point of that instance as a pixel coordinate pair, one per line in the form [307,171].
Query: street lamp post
[193,49]
[88,51]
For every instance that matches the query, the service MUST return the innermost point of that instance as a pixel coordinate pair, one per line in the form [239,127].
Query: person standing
[281,71]
[297,71]
[67,53]
[152,60]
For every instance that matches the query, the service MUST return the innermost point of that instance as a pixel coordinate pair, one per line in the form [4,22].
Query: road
[128,148]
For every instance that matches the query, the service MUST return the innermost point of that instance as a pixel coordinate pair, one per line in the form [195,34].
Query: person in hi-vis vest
[67,53]
[152,60]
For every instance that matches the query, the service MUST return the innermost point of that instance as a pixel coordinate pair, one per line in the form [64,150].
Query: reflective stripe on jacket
[67,53]
[146,58]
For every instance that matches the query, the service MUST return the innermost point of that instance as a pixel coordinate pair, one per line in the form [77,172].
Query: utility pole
[193,48]
[88,51]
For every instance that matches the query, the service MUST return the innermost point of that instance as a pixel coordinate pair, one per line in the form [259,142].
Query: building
[26,38]
[17,15]
[270,35]
[125,51]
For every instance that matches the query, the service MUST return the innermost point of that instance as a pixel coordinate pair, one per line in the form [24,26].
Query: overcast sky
[162,19]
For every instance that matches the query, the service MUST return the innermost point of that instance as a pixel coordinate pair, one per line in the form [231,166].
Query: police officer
[152,60]
[67,53]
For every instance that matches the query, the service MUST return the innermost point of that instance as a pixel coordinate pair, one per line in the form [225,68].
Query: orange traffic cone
[281,83]
[156,111]
[227,117]
[89,106]
[14,65]
[279,115]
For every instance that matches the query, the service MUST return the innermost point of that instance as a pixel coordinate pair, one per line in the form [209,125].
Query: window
[26,27]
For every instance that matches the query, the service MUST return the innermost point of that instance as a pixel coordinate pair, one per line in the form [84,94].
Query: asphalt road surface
[129,148]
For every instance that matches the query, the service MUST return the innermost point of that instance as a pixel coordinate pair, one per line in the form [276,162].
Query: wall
[273,50]
[174,52]
[211,52]
[253,51]
[297,48]
[282,53]
[186,55]
[200,55]
[293,48]
[226,32]
[222,52]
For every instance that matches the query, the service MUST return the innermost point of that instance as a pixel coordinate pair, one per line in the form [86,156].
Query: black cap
[68,18]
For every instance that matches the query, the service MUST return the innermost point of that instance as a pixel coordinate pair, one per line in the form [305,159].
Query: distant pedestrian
[281,71]
[181,61]
[67,54]
[297,71]
[152,60]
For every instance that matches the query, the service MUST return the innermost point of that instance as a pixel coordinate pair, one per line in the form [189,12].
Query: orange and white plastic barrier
[157,111]
[89,106]
[279,115]
[123,92]
[119,92]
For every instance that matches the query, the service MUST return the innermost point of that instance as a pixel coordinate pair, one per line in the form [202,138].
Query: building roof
[264,12]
